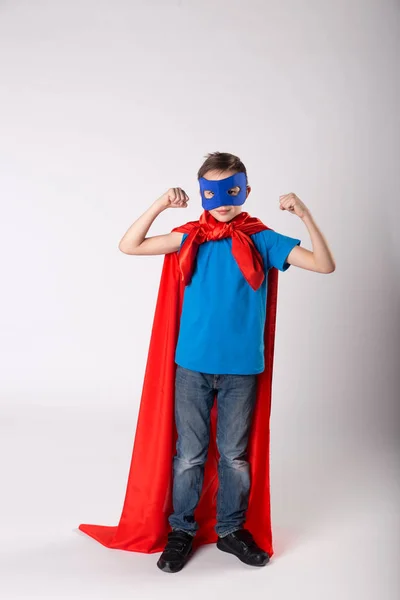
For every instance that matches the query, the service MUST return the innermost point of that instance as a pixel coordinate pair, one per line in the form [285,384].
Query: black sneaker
[176,551]
[241,544]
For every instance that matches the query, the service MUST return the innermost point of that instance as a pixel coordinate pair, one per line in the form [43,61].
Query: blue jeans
[194,396]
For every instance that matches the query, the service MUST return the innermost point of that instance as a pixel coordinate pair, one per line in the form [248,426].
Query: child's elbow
[126,249]
[330,269]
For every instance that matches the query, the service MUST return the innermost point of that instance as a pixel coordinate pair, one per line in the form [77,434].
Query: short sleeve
[182,241]
[278,247]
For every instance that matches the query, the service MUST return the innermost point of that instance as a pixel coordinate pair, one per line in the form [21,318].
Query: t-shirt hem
[207,371]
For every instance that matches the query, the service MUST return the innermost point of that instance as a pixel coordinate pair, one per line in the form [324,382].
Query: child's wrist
[159,205]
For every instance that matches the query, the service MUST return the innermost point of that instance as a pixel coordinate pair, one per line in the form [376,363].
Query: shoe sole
[243,558]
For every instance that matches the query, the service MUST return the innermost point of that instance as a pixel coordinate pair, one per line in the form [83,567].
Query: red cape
[143,525]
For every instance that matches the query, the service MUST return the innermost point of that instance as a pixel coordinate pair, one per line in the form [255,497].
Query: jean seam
[220,483]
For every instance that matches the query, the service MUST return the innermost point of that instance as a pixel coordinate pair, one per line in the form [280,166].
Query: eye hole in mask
[232,192]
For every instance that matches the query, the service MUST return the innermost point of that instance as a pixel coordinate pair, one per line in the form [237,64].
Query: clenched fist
[293,204]
[175,197]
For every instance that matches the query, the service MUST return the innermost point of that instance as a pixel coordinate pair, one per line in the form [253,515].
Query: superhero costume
[143,525]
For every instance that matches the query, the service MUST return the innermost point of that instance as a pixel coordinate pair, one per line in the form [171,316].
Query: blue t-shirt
[223,319]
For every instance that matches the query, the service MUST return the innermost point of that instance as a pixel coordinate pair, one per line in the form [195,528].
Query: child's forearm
[138,230]
[323,257]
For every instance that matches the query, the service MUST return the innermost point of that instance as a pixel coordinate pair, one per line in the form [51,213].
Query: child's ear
[248,190]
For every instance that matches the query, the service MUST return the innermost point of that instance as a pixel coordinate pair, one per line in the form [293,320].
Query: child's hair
[221,161]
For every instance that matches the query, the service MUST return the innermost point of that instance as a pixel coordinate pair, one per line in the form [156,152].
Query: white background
[104,106]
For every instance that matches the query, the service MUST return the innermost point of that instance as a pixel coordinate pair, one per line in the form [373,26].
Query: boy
[220,344]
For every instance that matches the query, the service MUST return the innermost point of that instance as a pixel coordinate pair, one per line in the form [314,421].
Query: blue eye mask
[220,189]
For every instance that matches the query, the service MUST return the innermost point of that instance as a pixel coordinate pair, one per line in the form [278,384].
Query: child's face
[229,212]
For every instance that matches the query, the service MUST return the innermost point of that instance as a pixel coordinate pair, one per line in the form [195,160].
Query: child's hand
[173,198]
[293,204]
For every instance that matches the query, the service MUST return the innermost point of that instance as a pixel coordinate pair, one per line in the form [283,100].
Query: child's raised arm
[135,241]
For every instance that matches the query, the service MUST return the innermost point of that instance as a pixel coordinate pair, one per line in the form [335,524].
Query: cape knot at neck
[244,251]
[219,232]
